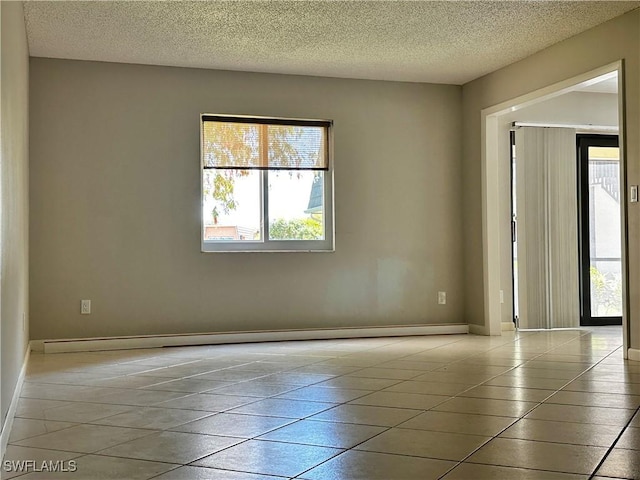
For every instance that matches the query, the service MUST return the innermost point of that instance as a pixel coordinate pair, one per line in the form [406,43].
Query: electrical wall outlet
[85,307]
[24,321]
[442,298]
[501,296]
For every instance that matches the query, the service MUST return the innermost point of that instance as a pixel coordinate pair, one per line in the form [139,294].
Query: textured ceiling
[421,41]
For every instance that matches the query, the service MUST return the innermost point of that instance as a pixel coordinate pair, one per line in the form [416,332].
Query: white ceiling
[607,85]
[419,41]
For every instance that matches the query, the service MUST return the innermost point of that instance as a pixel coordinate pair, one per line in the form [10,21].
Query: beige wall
[14,199]
[607,43]
[115,213]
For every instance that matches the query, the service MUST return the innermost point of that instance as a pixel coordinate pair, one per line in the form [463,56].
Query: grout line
[540,403]
[423,411]
[611,448]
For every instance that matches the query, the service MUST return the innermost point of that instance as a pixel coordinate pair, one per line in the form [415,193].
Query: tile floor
[527,405]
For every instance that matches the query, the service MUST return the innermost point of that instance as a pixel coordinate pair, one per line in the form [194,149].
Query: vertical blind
[546,186]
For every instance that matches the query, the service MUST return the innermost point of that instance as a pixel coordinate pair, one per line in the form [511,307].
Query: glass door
[600,230]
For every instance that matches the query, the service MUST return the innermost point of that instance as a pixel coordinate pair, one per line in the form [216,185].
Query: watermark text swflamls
[27,466]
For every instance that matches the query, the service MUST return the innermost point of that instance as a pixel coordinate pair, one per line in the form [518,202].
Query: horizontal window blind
[264,144]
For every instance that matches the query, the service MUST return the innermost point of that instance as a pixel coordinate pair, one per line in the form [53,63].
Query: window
[267,184]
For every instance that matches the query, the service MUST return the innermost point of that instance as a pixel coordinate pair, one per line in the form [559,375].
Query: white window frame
[266,244]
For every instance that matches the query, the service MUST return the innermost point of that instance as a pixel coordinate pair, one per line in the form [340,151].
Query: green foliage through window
[297,229]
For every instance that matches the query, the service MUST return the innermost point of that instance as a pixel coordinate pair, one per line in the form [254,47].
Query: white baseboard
[477,329]
[154,341]
[508,326]
[633,354]
[8,421]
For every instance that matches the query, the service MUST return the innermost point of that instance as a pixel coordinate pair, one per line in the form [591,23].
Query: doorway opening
[500,232]
[590,246]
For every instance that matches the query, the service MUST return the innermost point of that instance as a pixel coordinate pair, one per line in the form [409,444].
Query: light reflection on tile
[423,443]
[271,458]
[325,434]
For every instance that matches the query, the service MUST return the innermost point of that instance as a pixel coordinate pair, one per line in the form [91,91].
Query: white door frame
[494,159]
